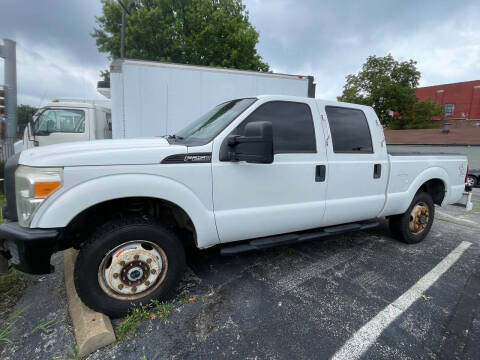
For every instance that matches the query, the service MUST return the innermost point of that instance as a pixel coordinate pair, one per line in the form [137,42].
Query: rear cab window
[349,130]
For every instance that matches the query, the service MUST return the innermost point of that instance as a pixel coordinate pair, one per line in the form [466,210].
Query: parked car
[473,177]
[250,174]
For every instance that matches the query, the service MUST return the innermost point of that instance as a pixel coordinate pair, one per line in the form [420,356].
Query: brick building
[460,100]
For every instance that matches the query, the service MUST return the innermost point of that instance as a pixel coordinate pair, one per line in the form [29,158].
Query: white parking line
[455,217]
[361,341]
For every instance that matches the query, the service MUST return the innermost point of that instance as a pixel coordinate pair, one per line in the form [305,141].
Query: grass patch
[162,309]
[42,326]
[12,287]
[9,331]
[132,321]
[137,315]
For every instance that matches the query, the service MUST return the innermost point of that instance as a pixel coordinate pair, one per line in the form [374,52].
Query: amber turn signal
[43,189]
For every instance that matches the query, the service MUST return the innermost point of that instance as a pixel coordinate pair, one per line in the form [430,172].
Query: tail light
[466,175]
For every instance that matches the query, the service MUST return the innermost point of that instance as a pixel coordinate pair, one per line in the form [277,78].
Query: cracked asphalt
[303,301]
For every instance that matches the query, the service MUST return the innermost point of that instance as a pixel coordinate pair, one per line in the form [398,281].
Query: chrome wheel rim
[132,270]
[419,218]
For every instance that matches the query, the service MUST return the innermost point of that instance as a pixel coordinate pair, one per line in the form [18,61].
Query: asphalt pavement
[306,301]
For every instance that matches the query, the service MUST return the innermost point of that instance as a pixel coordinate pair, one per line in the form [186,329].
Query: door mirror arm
[254,146]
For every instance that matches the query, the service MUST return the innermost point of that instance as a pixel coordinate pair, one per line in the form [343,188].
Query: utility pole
[122,32]
[8,53]
[122,41]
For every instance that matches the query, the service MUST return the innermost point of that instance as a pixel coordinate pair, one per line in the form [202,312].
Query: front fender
[58,211]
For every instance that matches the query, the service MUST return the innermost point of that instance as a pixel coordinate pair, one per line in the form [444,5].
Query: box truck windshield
[60,120]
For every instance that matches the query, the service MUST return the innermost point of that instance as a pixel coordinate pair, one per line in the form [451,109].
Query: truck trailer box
[155,99]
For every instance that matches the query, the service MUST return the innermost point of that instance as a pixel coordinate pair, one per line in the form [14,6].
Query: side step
[295,238]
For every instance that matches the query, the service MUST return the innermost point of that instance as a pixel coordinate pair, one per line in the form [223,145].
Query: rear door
[357,165]
[255,200]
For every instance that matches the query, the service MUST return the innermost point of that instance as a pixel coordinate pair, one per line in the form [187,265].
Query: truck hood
[101,152]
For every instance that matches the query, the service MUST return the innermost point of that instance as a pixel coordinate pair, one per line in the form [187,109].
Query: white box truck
[153,99]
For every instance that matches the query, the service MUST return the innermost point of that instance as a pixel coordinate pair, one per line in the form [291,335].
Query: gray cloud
[329,39]
[56,56]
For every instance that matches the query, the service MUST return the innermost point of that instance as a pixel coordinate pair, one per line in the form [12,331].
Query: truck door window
[292,125]
[349,129]
[60,120]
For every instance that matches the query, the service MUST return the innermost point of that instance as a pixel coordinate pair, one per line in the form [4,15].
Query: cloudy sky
[329,39]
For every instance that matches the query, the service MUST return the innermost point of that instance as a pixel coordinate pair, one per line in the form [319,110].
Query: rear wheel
[471,180]
[413,226]
[128,262]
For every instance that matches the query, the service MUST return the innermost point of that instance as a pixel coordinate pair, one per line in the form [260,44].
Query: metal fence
[7,149]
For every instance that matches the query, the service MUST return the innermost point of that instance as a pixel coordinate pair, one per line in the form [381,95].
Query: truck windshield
[60,120]
[212,123]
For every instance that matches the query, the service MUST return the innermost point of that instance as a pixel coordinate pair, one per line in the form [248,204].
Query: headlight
[32,186]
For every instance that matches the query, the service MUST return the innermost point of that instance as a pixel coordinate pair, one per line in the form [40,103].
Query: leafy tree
[24,113]
[420,116]
[198,32]
[105,75]
[389,86]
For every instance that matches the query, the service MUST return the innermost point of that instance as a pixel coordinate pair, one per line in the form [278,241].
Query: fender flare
[59,210]
[400,201]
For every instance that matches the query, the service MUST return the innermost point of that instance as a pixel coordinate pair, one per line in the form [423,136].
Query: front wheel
[128,262]
[413,226]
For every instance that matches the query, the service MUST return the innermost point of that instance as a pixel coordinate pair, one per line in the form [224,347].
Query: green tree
[24,114]
[198,32]
[420,116]
[105,75]
[389,86]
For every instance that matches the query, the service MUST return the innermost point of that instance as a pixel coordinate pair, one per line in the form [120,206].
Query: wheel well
[85,223]
[436,189]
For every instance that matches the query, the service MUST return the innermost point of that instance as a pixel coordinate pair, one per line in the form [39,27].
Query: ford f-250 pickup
[250,174]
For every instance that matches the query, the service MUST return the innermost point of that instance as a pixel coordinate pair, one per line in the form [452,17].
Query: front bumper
[29,250]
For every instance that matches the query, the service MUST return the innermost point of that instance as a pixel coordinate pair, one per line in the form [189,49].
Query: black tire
[474,180]
[400,226]
[113,234]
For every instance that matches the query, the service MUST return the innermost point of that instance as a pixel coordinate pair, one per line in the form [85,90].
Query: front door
[256,200]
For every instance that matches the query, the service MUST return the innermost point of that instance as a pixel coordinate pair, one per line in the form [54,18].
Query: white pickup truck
[250,174]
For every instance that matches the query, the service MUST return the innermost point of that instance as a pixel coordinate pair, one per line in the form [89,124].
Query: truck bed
[410,169]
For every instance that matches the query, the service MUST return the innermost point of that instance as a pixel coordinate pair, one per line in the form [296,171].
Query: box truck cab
[67,120]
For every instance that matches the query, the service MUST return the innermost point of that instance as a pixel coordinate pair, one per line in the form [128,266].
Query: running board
[294,238]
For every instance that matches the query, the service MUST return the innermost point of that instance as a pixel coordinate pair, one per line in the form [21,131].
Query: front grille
[10,209]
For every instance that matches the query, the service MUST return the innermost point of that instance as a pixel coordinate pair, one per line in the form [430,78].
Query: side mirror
[254,146]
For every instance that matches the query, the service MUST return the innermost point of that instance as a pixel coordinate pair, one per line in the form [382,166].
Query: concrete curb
[93,330]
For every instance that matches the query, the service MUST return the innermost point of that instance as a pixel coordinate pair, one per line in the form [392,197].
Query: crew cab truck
[250,174]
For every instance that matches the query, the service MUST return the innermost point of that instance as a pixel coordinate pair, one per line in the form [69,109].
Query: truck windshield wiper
[174,137]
